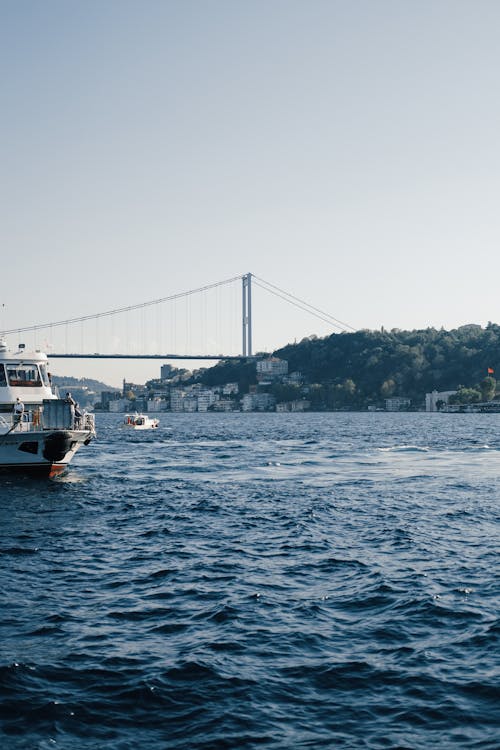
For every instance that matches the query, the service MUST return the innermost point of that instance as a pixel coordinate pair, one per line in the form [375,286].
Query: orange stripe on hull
[57,469]
[38,469]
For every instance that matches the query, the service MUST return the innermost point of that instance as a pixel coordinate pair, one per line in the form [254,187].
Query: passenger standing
[78,417]
[18,410]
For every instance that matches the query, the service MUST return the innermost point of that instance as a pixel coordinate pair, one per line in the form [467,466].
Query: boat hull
[140,427]
[41,453]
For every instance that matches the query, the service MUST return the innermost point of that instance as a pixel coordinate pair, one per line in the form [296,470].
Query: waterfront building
[107,397]
[156,404]
[432,399]
[258,402]
[177,396]
[289,406]
[226,404]
[119,405]
[205,399]
[397,403]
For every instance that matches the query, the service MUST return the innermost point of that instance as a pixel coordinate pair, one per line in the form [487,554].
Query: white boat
[45,436]
[140,422]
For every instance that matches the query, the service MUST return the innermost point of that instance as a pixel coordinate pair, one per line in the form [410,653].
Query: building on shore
[258,402]
[397,403]
[289,406]
[435,399]
[270,369]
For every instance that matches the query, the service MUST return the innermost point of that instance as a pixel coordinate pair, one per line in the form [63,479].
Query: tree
[488,388]
[349,387]
[466,396]
[387,388]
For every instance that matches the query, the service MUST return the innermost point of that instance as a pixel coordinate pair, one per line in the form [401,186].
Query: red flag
[490,370]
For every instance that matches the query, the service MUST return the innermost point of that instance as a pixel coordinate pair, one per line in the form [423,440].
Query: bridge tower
[246,314]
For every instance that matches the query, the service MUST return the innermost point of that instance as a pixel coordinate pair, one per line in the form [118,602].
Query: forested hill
[378,364]
[71,382]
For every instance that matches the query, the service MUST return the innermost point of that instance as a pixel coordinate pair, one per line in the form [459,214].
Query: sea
[257,581]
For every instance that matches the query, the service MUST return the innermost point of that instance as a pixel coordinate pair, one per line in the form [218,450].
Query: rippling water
[257,581]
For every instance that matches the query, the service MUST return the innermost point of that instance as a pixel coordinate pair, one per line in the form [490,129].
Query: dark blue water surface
[257,581]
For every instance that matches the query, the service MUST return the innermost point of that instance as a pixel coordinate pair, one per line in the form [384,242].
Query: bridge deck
[151,356]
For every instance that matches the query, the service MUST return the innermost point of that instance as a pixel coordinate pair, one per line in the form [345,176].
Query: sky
[346,151]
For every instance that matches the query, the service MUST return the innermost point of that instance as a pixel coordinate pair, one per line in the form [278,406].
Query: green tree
[387,388]
[466,396]
[488,388]
[349,387]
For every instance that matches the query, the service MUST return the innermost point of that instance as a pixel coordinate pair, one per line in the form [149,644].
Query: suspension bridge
[151,330]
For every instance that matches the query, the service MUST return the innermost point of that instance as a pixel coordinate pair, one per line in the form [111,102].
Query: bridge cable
[293,300]
[119,310]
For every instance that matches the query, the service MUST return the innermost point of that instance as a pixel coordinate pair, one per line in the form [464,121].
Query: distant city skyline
[347,152]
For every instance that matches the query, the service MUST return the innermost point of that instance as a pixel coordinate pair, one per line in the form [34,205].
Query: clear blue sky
[347,151]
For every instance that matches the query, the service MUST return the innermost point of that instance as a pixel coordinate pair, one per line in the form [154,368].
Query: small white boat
[140,422]
[39,432]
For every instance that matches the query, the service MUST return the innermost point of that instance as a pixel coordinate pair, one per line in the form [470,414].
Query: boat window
[30,446]
[26,376]
[45,377]
[3,379]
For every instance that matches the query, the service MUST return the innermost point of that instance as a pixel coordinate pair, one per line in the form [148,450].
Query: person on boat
[18,410]
[78,416]
[69,399]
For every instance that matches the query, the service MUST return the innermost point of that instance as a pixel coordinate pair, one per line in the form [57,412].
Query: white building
[257,402]
[119,405]
[177,396]
[397,403]
[205,399]
[273,367]
[298,405]
[191,399]
[189,403]
[226,404]
[156,404]
[431,399]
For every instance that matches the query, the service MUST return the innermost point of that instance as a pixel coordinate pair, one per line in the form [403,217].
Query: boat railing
[54,414]
[16,423]
[5,424]
[88,422]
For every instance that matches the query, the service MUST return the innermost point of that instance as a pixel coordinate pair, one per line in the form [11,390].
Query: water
[257,581]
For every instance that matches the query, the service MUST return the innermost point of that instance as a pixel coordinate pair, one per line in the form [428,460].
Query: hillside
[354,370]
[86,391]
[92,385]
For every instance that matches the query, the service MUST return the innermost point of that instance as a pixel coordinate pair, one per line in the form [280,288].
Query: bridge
[142,327]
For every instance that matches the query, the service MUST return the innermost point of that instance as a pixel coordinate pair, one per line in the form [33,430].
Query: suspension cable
[300,303]
[119,310]
[262,283]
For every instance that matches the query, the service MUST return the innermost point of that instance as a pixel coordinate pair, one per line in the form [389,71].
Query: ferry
[39,432]
[140,422]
